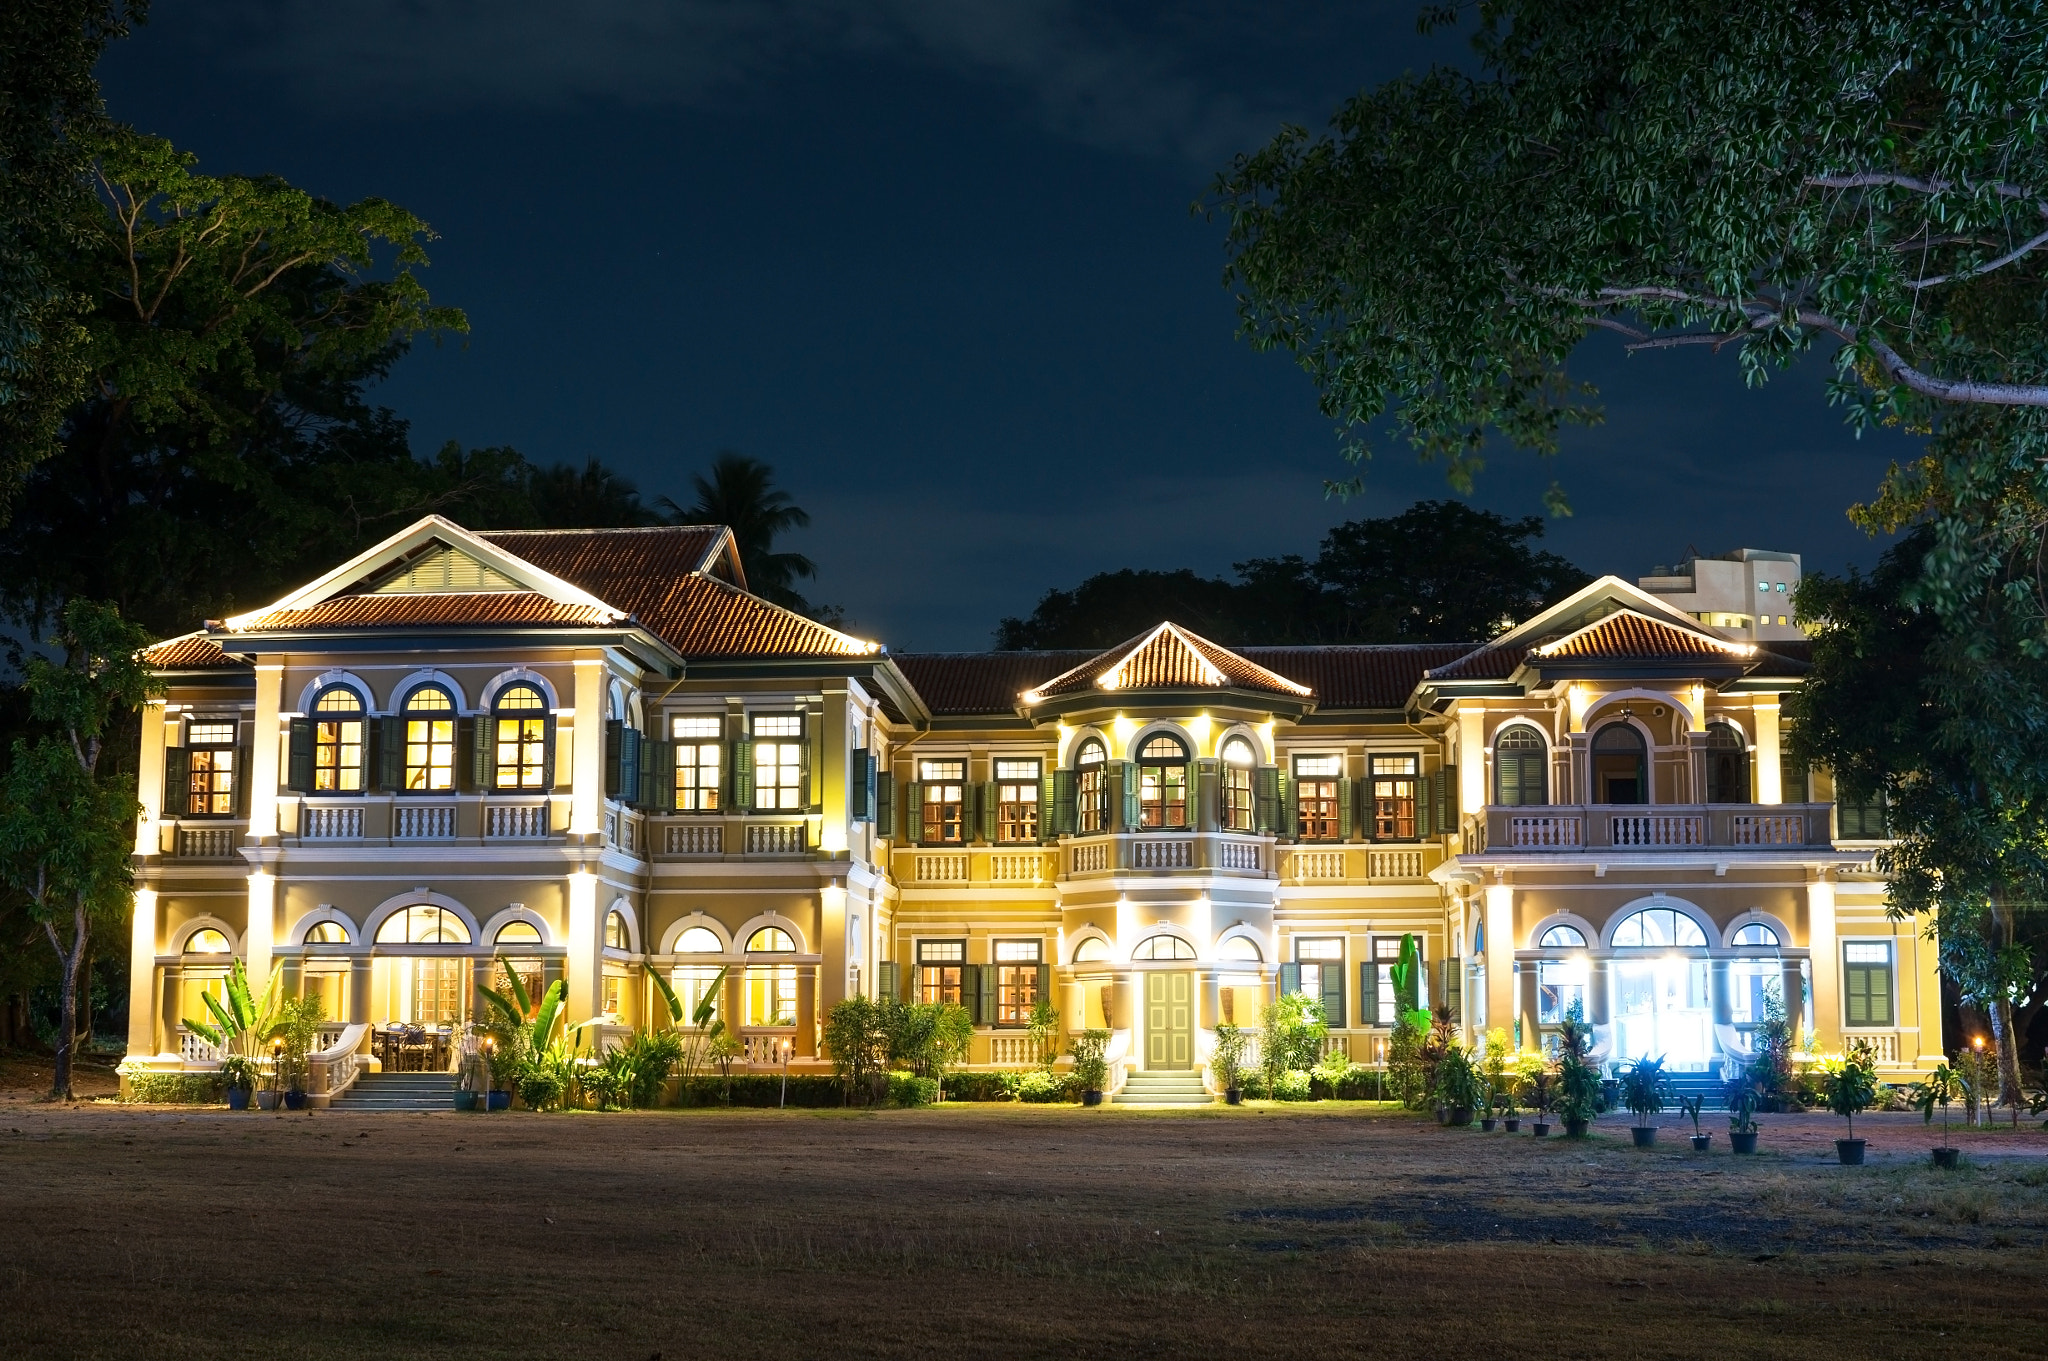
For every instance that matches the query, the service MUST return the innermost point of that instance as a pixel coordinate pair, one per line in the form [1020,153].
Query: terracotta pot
[1743,1143]
[1850,1151]
[1644,1135]
[1947,1157]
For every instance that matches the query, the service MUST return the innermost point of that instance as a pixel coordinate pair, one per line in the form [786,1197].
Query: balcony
[1169,852]
[1578,828]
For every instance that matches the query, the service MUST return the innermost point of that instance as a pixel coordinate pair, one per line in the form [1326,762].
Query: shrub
[1043,1087]
[908,1089]
[1292,1031]
[541,1088]
[175,1089]
[1405,1073]
[1091,1067]
[1227,1061]
[857,1039]
[1292,1085]
[756,1090]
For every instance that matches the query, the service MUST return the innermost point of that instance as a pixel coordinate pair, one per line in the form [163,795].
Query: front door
[1169,1022]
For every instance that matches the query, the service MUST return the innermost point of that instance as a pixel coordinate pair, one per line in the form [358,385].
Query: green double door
[1169,1022]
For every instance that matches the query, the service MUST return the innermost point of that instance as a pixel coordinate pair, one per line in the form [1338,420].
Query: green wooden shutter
[1425,804]
[1454,994]
[391,753]
[885,803]
[1290,979]
[913,812]
[860,785]
[1368,993]
[547,752]
[1290,811]
[1448,814]
[177,781]
[978,982]
[1044,992]
[886,984]
[1345,795]
[299,766]
[476,737]
[1266,798]
[243,755]
[1867,991]
[811,778]
[657,776]
[1132,813]
[1046,794]
[989,809]
[629,764]
[1333,996]
[1063,819]
[742,774]
[1880,989]
[614,756]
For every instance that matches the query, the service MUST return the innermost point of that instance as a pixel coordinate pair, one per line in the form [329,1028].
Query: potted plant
[1498,1079]
[1227,1062]
[1091,1067]
[1540,1101]
[1578,1076]
[298,1030]
[1643,1087]
[1850,1085]
[270,1093]
[1458,1088]
[1943,1086]
[473,1078]
[1742,1116]
[1610,1088]
[1690,1107]
[238,1073]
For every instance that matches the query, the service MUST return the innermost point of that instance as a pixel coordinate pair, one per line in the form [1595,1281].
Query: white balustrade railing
[941,869]
[1767,829]
[516,821]
[1659,829]
[1012,867]
[1319,864]
[696,838]
[195,1048]
[1239,855]
[1394,864]
[1118,1056]
[334,822]
[1151,854]
[335,1067]
[766,1048]
[1883,1043]
[1014,1051]
[423,821]
[1091,857]
[207,843]
[776,838]
[1546,831]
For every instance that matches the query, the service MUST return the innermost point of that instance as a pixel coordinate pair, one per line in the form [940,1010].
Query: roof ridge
[602,529]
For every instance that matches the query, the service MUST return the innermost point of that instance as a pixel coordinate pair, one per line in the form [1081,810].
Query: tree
[1943,725]
[1869,177]
[67,810]
[740,493]
[50,113]
[1439,571]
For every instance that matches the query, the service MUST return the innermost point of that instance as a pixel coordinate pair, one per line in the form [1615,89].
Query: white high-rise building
[1744,595]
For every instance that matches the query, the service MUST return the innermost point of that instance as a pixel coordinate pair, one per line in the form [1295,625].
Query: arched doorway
[1621,765]
[1169,1005]
[1662,1007]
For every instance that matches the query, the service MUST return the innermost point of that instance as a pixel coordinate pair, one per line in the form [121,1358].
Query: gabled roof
[482,607]
[187,652]
[608,562]
[1629,636]
[1606,623]
[1169,658]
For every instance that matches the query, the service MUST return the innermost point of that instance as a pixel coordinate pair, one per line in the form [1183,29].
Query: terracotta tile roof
[187,652]
[485,607]
[1168,658]
[701,616]
[613,563]
[1484,663]
[981,682]
[1628,636]
[1359,677]
[1791,657]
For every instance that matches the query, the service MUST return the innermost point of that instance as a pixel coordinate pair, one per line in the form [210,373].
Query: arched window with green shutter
[1521,767]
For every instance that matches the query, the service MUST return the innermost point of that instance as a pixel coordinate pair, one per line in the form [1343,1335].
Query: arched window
[1656,928]
[520,716]
[1091,787]
[1093,950]
[1563,938]
[1163,783]
[1238,947]
[337,731]
[1521,767]
[1238,762]
[423,924]
[207,941]
[1756,982]
[1756,935]
[770,940]
[615,934]
[1621,769]
[327,933]
[1163,947]
[518,933]
[1727,765]
[429,717]
[699,940]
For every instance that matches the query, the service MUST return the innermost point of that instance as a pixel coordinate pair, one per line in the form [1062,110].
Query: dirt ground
[1008,1231]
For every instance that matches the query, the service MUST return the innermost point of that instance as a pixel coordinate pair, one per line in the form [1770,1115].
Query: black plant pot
[1514,1124]
[1644,1135]
[1542,1129]
[1610,1093]
[1850,1151]
[1460,1117]
[498,1101]
[1700,1142]
[1487,1122]
[1443,1115]
[238,1098]
[1233,1096]
[295,1100]
[1575,1129]
[1092,1096]
[1947,1157]
[1743,1143]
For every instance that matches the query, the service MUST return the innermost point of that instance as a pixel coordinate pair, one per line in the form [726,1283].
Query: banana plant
[706,1026]
[240,1023]
[534,1023]
[1406,975]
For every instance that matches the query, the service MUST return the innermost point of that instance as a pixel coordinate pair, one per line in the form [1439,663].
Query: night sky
[932,259]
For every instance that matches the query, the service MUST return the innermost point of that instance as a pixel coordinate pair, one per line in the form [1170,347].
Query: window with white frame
[210,767]
[338,742]
[1016,966]
[1393,797]
[1238,761]
[519,717]
[699,762]
[778,762]
[940,966]
[429,740]
[1016,800]
[1867,983]
[945,788]
[1091,787]
[1316,787]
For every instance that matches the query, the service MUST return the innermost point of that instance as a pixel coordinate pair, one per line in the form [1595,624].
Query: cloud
[1102,81]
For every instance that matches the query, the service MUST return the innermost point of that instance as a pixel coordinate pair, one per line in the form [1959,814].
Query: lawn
[999,1231]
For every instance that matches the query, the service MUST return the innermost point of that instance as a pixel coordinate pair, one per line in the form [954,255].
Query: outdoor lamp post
[787,1045]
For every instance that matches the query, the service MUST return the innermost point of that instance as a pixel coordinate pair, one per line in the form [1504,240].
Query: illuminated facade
[592,755]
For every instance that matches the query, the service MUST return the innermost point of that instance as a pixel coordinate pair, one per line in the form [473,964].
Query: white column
[1471,759]
[1769,783]
[831,942]
[1500,957]
[142,993]
[829,769]
[262,772]
[149,787]
[582,986]
[260,929]
[1827,963]
[586,806]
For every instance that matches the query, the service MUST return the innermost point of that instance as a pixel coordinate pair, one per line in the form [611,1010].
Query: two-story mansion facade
[593,755]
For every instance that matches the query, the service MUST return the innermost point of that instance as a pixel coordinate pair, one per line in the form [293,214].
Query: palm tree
[740,493]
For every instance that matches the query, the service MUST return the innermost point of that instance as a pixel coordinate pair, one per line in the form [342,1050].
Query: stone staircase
[1163,1089]
[398,1092]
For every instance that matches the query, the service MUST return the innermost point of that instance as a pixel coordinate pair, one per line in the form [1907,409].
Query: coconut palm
[740,493]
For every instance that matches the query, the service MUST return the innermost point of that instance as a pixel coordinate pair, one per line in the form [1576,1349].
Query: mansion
[592,755]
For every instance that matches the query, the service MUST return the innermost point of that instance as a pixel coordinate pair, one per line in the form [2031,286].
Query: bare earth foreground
[998,1231]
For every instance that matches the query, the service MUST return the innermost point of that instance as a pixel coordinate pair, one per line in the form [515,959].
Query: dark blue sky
[933,259]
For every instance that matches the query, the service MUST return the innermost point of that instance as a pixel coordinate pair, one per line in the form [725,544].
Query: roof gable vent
[442,568]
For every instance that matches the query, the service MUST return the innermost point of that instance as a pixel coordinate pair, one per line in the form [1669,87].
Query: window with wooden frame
[945,786]
[1867,983]
[778,762]
[1163,783]
[210,767]
[1017,968]
[700,762]
[1321,962]
[1393,797]
[1091,787]
[1238,763]
[1521,767]
[1318,805]
[1017,800]
[429,740]
[941,964]
[338,741]
[520,716]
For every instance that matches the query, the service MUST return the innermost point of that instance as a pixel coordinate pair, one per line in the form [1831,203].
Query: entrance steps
[1163,1089]
[398,1092]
